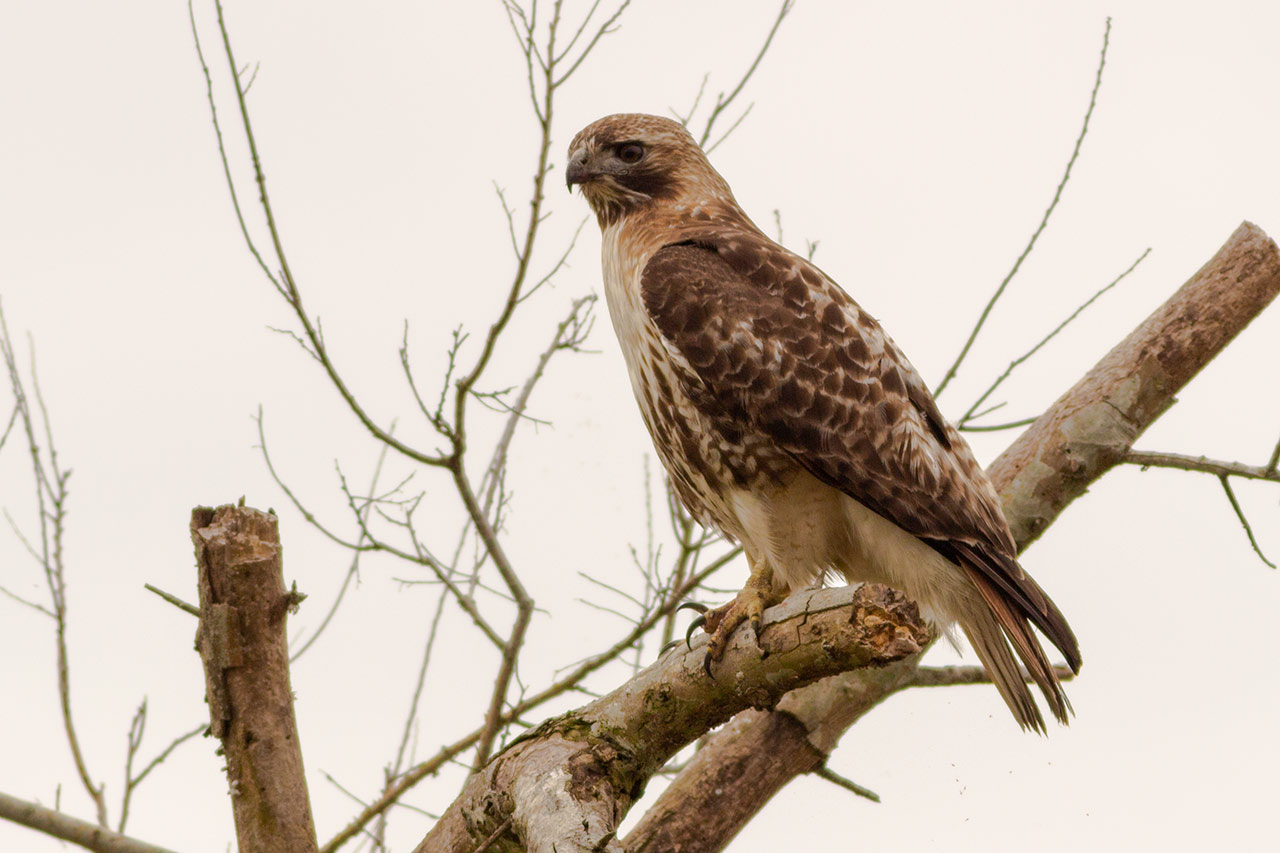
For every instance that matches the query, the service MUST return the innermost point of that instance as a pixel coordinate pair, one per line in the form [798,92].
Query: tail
[1002,622]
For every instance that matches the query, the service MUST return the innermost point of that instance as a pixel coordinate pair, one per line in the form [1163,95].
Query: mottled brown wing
[773,343]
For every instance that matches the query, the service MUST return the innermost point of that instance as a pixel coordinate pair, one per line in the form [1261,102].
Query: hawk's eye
[630,152]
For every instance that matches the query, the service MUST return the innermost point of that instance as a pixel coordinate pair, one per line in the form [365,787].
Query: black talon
[706,666]
[693,626]
[668,647]
[693,605]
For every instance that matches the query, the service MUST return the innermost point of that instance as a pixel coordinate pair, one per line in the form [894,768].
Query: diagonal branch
[1084,434]
[285,284]
[568,782]
[722,100]
[1244,522]
[1044,221]
[81,833]
[1013,365]
[558,688]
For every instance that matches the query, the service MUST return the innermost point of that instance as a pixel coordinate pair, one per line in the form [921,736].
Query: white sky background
[918,143]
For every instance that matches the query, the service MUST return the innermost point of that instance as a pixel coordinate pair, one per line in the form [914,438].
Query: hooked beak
[578,172]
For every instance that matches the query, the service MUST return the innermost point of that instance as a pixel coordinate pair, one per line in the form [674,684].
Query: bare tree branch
[839,781]
[561,686]
[1081,437]
[50,483]
[950,676]
[173,599]
[81,833]
[1013,365]
[1244,522]
[1066,175]
[286,284]
[1203,464]
[242,644]
[569,782]
[723,101]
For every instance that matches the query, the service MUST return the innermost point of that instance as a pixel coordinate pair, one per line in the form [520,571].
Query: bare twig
[609,26]
[722,100]
[1202,464]
[973,412]
[354,568]
[286,284]
[1066,175]
[825,772]
[948,676]
[494,836]
[1244,522]
[50,483]
[559,687]
[137,727]
[997,427]
[173,599]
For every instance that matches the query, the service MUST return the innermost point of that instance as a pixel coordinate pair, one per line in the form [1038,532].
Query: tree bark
[567,784]
[1080,437]
[241,640]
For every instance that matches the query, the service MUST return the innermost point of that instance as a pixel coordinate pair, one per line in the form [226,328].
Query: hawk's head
[626,162]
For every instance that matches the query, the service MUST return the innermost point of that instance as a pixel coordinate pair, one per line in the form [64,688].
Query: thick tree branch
[1093,426]
[241,640]
[569,782]
[1079,438]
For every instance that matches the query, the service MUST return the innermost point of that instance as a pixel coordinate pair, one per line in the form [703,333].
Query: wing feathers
[774,342]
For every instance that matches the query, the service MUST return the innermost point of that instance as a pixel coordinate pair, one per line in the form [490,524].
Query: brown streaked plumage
[788,419]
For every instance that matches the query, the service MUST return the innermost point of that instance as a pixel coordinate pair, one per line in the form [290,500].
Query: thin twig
[51,495]
[723,101]
[164,753]
[561,686]
[972,414]
[287,285]
[607,27]
[1274,463]
[1244,522]
[948,676]
[1202,464]
[174,600]
[353,569]
[996,427]
[495,835]
[825,772]
[1066,175]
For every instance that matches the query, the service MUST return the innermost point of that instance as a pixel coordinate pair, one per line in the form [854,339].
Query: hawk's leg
[747,606]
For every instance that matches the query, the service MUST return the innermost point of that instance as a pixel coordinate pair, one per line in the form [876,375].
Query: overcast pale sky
[917,143]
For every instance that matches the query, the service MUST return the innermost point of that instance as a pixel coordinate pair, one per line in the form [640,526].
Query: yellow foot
[748,606]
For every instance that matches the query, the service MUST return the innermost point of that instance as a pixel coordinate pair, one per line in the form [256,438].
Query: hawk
[787,418]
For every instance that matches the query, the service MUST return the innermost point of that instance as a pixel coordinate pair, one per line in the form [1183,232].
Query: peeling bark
[567,784]
[241,640]
[1080,437]
[1091,427]
[570,781]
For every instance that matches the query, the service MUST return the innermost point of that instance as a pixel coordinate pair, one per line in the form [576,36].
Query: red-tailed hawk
[788,419]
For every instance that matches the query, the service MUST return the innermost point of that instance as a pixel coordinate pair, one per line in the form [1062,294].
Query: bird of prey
[787,418]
